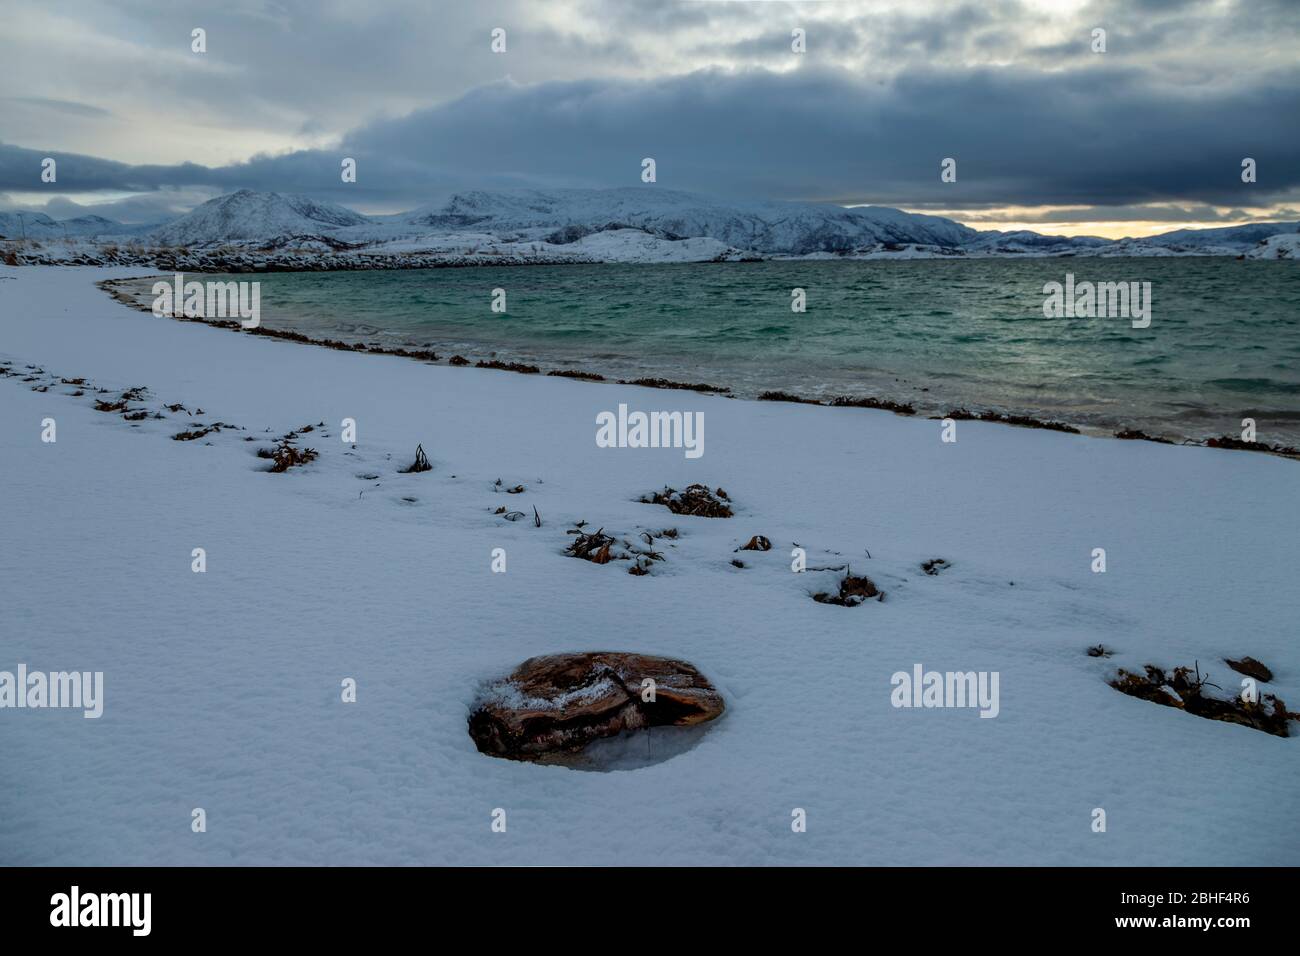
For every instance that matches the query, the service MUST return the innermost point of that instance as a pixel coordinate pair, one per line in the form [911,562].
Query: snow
[222,689]
[508,694]
[614,245]
[1278,247]
[632,245]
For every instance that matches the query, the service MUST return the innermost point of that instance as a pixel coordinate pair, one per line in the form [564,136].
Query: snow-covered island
[249,230]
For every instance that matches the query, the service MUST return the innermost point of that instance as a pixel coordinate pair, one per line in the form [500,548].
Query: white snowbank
[223,689]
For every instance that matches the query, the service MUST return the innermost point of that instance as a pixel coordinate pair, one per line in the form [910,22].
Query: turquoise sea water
[1223,344]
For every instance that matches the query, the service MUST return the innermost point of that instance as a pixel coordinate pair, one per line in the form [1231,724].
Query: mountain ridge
[563,217]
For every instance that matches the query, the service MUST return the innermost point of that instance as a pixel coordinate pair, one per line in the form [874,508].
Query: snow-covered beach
[222,688]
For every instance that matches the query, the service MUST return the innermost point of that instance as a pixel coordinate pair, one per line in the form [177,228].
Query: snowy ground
[222,689]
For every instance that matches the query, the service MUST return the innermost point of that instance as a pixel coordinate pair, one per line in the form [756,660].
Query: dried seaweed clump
[1136,434]
[852,592]
[687,386]
[1024,421]
[1251,668]
[575,373]
[509,366]
[595,546]
[1236,444]
[695,500]
[898,408]
[203,431]
[786,397]
[420,464]
[286,455]
[600,548]
[1183,690]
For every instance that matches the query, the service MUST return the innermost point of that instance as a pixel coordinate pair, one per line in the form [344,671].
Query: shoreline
[898,406]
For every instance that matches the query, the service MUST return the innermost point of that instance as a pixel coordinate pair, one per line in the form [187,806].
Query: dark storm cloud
[1095,137]
[1010,88]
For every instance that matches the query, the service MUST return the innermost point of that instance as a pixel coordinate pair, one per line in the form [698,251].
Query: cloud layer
[711,91]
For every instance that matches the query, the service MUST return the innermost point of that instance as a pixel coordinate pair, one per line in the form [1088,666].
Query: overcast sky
[1149,135]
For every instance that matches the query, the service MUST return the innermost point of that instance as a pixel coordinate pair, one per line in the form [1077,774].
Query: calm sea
[1223,343]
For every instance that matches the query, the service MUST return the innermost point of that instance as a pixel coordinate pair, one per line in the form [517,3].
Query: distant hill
[37,225]
[792,228]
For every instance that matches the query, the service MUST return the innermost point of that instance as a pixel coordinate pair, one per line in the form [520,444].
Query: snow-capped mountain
[561,217]
[585,223]
[37,225]
[248,215]
[791,228]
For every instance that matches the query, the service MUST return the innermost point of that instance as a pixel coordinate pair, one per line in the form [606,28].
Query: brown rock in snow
[559,703]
